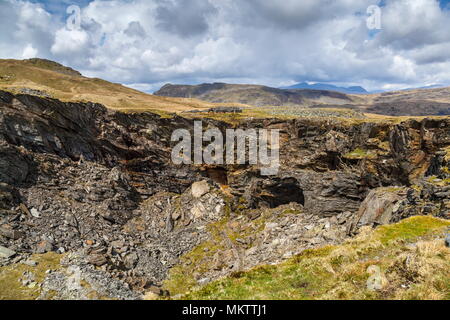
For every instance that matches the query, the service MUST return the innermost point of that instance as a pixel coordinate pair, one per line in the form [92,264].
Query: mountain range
[51,79]
[255,95]
[416,102]
[330,87]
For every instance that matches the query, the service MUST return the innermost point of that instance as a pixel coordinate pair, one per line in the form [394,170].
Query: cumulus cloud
[70,42]
[29,52]
[294,14]
[25,25]
[412,24]
[147,43]
[185,18]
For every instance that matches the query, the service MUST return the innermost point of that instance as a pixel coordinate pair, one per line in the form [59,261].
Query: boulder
[11,234]
[377,281]
[379,207]
[6,253]
[97,259]
[199,189]
[131,260]
[198,211]
[35,213]
[44,247]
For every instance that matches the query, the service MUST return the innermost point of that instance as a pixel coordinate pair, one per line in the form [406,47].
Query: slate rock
[6,253]
[199,189]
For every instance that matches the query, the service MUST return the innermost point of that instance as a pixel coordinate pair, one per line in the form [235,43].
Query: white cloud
[23,25]
[146,87]
[409,24]
[146,43]
[29,52]
[70,41]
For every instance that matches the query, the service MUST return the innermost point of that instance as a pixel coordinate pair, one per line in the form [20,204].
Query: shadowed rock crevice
[277,192]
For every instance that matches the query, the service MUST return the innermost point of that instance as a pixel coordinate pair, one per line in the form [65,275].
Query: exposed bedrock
[81,178]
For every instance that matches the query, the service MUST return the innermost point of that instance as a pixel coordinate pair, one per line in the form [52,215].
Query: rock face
[381,206]
[79,179]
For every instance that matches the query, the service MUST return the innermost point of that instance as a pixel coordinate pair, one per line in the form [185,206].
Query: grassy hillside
[254,95]
[437,94]
[421,102]
[411,257]
[66,84]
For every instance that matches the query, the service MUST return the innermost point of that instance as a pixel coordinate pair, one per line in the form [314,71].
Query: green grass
[440,182]
[10,286]
[359,154]
[340,272]
[194,264]
[412,228]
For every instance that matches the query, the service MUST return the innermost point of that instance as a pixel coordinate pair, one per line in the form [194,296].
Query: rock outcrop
[79,179]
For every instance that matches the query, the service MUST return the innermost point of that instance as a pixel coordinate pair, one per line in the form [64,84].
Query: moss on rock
[11,287]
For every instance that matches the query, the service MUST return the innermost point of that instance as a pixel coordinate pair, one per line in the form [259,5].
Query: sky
[147,43]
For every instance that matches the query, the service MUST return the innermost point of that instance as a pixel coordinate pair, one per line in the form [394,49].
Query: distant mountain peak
[329,87]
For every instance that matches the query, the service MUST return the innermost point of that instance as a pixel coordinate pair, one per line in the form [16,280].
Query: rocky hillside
[404,261]
[424,102]
[91,205]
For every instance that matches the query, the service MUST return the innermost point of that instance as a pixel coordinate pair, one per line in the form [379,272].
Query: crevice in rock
[273,194]
[218,174]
